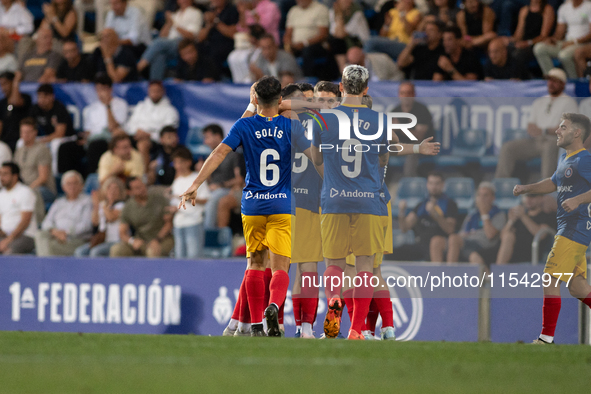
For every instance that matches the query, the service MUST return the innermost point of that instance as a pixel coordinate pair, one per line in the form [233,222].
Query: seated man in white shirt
[149,117]
[102,119]
[130,24]
[16,18]
[17,204]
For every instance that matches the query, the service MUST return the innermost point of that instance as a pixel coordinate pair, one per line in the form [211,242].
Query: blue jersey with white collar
[267,143]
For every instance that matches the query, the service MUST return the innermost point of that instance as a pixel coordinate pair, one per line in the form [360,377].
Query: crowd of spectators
[243,39]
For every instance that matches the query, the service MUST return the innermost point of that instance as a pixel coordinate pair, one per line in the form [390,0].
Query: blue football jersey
[573,177]
[267,143]
[305,180]
[353,177]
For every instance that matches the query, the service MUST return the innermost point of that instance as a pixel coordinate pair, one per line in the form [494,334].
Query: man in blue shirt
[566,261]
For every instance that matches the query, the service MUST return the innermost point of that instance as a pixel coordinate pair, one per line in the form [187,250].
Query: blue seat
[468,146]
[412,190]
[399,238]
[504,196]
[461,190]
[194,142]
[218,243]
[514,134]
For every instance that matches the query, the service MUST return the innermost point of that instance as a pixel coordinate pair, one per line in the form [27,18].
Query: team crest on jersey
[568,172]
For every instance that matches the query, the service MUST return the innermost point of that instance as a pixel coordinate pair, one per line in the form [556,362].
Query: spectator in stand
[246,50]
[106,209]
[216,38]
[14,107]
[54,125]
[306,32]
[441,11]
[7,59]
[259,12]
[187,224]
[348,28]
[103,119]
[544,118]
[424,128]
[585,109]
[572,30]
[224,177]
[396,33]
[432,221]
[273,61]
[380,66]
[145,213]
[121,160]
[75,66]
[194,66]
[162,170]
[582,55]
[68,223]
[149,117]
[118,61]
[535,24]
[421,55]
[458,63]
[16,19]
[499,64]
[18,225]
[61,18]
[40,64]
[34,161]
[5,152]
[184,23]
[130,25]
[479,239]
[476,22]
[286,78]
[524,222]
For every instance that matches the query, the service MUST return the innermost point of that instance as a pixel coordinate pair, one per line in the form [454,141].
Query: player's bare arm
[543,187]
[211,164]
[317,158]
[427,147]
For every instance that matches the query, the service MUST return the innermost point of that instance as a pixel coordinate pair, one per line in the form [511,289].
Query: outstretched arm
[211,164]
[543,187]
[426,147]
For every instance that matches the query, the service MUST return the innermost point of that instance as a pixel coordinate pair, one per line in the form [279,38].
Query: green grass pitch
[33,362]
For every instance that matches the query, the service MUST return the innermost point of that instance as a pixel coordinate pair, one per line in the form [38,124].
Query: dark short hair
[118,138]
[367,100]
[45,88]
[438,24]
[579,121]
[454,30]
[326,86]
[103,79]
[155,82]
[129,180]
[305,86]
[185,42]
[70,41]
[214,129]
[290,90]
[258,32]
[437,174]
[28,121]
[7,75]
[268,90]
[267,35]
[168,129]
[182,153]
[14,168]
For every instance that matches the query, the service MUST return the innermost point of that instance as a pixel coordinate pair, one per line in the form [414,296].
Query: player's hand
[429,148]
[570,204]
[189,195]
[253,94]
[518,190]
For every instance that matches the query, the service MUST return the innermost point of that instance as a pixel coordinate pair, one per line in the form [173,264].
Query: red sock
[309,296]
[362,296]
[280,314]
[278,287]
[329,290]
[550,312]
[315,310]
[297,309]
[372,316]
[255,290]
[244,316]
[348,298]
[236,313]
[587,300]
[383,304]
[268,275]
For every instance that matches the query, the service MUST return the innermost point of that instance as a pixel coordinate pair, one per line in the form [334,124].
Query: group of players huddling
[293,152]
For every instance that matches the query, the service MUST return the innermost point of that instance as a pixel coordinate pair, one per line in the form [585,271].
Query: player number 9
[350,155]
[274,168]
[303,163]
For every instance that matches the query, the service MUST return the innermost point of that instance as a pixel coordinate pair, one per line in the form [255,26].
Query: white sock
[233,325]
[243,327]
[264,325]
[307,329]
[298,328]
[546,338]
